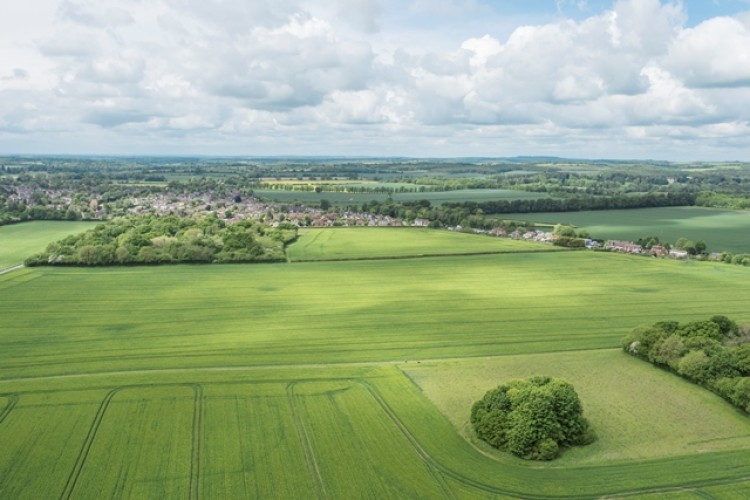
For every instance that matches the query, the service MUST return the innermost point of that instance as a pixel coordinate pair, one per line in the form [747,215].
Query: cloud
[715,53]
[90,13]
[327,73]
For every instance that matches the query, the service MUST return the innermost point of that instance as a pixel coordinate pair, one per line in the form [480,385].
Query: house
[678,254]
[658,251]
[499,231]
[624,246]
[421,223]
[591,244]
[544,237]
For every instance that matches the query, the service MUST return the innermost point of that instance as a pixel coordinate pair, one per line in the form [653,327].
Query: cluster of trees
[740,259]
[579,203]
[567,236]
[157,240]
[721,200]
[692,248]
[532,418]
[714,353]
[13,212]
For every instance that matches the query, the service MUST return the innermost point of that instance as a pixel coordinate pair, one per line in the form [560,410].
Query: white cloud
[320,75]
[715,53]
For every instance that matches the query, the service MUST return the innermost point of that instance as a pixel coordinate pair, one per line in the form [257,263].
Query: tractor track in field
[196,441]
[75,474]
[432,462]
[434,465]
[307,447]
[197,431]
[12,400]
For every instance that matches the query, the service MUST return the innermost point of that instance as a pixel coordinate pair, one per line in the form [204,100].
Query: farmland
[369,243]
[435,197]
[341,379]
[18,241]
[720,229]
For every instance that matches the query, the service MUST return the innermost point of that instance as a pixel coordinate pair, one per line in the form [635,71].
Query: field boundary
[695,486]
[286,366]
[11,269]
[429,255]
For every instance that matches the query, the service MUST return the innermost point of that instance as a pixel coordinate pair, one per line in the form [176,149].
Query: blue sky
[663,79]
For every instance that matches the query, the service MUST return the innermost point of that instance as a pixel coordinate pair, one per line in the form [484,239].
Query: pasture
[638,411]
[341,379]
[18,241]
[720,229]
[435,197]
[375,243]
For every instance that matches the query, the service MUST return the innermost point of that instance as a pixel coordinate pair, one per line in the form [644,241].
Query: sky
[630,79]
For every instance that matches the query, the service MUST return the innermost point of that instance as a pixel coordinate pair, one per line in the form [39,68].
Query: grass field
[720,229]
[436,197]
[18,241]
[638,411]
[353,379]
[373,242]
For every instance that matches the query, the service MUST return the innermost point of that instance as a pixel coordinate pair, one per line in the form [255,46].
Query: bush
[532,418]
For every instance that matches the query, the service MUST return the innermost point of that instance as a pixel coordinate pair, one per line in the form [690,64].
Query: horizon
[519,158]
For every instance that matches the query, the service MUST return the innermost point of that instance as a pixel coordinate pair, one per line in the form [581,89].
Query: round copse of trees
[534,418]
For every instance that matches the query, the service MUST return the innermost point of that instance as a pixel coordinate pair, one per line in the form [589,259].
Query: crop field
[435,197]
[353,379]
[373,242]
[18,241]
[362,183]
[720,229]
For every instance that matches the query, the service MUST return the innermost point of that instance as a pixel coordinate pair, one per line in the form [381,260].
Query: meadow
[720,229]
[18,241]
[373,242]
[342,379]
[435,197]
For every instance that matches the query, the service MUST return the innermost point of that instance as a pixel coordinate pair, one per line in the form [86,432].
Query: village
[232,207]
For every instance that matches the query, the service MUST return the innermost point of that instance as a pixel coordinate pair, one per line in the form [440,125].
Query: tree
[532,418]
[325,204]
[563,230]
[727,327]
[693,365]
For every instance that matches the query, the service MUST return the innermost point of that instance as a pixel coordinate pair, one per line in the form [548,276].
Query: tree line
[714,353]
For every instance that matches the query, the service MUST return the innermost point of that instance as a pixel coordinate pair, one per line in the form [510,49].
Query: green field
[436,197]
[353,379]
[720,229]
[637,411]
[374,242]
[18,241]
